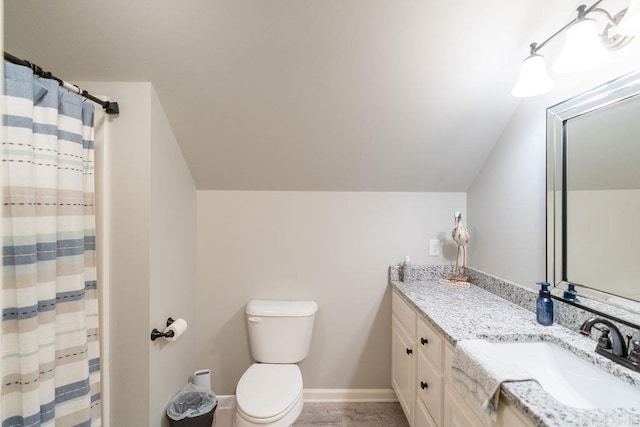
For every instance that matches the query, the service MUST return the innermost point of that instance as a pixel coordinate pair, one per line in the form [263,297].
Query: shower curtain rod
[110,107]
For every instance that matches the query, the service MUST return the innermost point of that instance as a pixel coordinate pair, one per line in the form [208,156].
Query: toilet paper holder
[155,334]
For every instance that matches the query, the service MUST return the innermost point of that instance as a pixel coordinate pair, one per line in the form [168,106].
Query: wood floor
[352,415]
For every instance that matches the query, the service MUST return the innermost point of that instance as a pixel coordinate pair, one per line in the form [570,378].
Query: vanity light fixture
[534,79]
[584,47]
[630,24]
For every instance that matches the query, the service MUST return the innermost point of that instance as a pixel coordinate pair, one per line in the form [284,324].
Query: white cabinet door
[402,368]
[423,419]
[508,416]
[455,413]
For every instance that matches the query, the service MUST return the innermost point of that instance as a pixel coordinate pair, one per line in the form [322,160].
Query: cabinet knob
[423,385]
[409,351]
[424,341]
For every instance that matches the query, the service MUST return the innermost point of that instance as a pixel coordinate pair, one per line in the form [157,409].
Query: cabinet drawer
[430,343]
[404,313]
[429,388]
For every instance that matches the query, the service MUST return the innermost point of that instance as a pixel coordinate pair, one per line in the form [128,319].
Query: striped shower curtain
[49,342]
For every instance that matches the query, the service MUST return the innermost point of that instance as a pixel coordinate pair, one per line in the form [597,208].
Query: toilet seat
[285,418]
[269,392]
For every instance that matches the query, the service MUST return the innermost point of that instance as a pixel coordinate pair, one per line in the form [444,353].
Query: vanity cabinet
[403,367]
[420,375]
[416,366]
[403,354]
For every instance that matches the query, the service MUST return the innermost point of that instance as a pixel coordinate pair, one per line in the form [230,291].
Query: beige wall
[129,171]
[331,247]
[152,255]
[173,263]
[507,199]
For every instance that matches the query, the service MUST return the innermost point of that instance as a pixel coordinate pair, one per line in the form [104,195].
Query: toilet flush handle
[255,320]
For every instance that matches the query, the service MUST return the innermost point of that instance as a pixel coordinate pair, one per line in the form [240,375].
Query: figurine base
[456,283]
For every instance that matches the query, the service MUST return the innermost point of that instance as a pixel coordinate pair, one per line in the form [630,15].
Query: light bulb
[533,79]
[582,48]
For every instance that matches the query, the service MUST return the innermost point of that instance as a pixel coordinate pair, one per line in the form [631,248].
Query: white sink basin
[569,379]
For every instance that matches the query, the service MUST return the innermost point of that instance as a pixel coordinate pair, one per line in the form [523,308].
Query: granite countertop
[474,313]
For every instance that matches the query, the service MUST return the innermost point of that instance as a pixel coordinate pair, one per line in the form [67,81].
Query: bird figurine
[461,236]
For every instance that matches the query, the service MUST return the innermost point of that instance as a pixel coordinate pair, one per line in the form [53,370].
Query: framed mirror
[593,199]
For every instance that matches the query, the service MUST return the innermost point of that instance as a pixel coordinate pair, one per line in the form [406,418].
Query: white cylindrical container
[406,270]
[202,379]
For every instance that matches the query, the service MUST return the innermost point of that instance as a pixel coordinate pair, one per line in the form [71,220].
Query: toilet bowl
[269,395]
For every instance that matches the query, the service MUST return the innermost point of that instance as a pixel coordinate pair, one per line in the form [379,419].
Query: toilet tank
[280,331]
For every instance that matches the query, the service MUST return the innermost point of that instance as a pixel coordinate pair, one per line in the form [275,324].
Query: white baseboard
[227,403]
[225,411]
[349,395]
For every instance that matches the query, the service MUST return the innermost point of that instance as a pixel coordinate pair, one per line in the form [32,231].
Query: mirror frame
[619,308]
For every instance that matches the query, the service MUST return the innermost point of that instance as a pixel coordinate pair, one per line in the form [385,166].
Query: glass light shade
[582,48]
[533,79]
[630,24]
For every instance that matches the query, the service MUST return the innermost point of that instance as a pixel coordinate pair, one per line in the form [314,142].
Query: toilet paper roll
[178,327]
[202,378]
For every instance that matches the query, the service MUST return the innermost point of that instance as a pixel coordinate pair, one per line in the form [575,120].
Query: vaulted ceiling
[344,95]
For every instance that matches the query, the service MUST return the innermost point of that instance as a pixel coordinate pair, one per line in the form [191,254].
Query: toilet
[269,393]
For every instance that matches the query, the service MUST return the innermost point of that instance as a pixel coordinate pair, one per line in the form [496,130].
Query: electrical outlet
[434,247]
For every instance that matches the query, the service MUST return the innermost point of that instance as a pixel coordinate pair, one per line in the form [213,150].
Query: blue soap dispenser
[544,305]
[571,294]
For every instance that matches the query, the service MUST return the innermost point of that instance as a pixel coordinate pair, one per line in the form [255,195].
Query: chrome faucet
[613,347]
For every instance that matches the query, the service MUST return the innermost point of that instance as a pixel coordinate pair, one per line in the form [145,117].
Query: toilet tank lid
[272,308]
